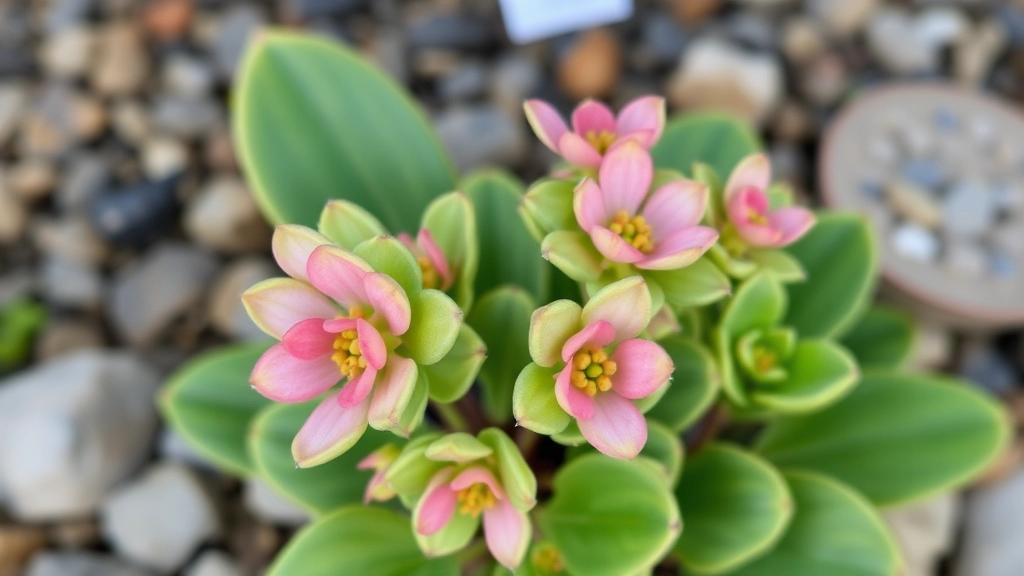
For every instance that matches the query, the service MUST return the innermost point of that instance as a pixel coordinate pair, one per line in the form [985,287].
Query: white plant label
[529,20]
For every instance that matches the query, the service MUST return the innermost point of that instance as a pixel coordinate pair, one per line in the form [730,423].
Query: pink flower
[380,461]
[746,202]
[433,263]
[653,231]
[595,130]
[455,499]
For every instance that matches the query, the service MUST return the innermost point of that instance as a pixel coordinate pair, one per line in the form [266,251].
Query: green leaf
[759,303]
[436,320]
[210,403]
[452,223]
[508,253]
[694,384]
[314,121]
[348,224]
[516,476]
[610,517]
[841,259]
[573,253]
[712,138]
[452,376]
[359,540]
[387,254]
[784,267]
[320,489]
[736,507]
[883,338]
[663,451]
[20,321]
[818,373]
[895,438]
[834,531]
[502,318]
[698,284]
[547,207]
[458,447]
[533,401]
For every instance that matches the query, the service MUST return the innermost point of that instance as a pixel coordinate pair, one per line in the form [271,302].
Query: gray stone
[924,173]
[188,76]
[307,9]
[131,122]
[802,39]
[163,156]
[265,504]
[966,259]
[986,367]
[160,519]
[454,30]
[86,176]
[13,216]
[171,447]
[825,80]
[214,563]
[71,238]
[387,50]
[925,532]
[915,243]
[882,148]
[63,13]
[32,179]
[993,530]
[976,52]
[64,337]
[227,315]
[1003,266]
[842,17]
[148,296]
[66,54]
[232,34]
[514,78]
[224,217]
[661,39]
[184,116]
[70,283]
[481,135]
[122,62]
[895,42]
[464,83]
[76,426]
[753,30]
[80,564]
[60,117]
[1008,237]
[13,100]
[969,209]
[914,203]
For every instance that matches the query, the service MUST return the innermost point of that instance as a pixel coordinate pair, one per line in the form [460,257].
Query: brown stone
[76,534]
[17,545]
[591,67]
[168,20]
[1004,466]
[691,12]
[121,60]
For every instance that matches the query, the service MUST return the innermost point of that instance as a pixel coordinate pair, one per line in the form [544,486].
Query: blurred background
[126,228]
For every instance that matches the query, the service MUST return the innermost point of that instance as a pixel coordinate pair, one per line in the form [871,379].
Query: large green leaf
[314,121]
[895,438]
[610,517]
[841,259]
[320,489]
[210,403]
[819,373]
[502,318]
[452,376]
[759,303]
[508,254]
[736,507]
[712,138]
[698,284]
[883,338]
[835,531]
[359,540]
[694,384]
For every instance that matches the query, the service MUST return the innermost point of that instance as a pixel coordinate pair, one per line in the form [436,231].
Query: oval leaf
[698,284]
[712,138]
[436,320]
[818,373]
[502,318]
[452,376]
[694,384]
[883,338]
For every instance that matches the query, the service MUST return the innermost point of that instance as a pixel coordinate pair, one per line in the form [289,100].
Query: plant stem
[710,427]
[527,441]
[451,417]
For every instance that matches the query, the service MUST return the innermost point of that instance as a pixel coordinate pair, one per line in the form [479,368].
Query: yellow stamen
[601,141]
[633,229]
[756,217]
[431,279]
[591,370]
[547,558]
[347,353]
[475,499]
[764,359]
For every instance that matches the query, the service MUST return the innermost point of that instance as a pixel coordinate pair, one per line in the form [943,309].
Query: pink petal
[546,122]
[339,325]
[284,378]
[478,475]
[625,305]
[675,205]
[644,138]
[792,221]
[617,427]
[646,113]
[743,202]
[625,177]
[392,392]
[308,340]
[592,117]
[371,344]
[507,532]
[588,205]
[377,488]
[436,256]
[680,249]
[578,151]
[292,244]
[388,299]
[404,238]
[328,432]
[437,505]
[599,333]
[356,391]
[642,369]
[570,398]
[754,171]
[338,274]
[614,247]
[277,304]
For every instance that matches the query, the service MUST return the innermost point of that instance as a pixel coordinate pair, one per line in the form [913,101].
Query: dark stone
[662,39]
[454,31]
[309,9]
[984,366]
[1012,19]
[138,214]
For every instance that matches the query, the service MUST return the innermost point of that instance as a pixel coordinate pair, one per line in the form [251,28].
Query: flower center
[591,370]
[431,279]
[764,359]
[475,498]
[756,217]
[601,141]
[633,229]
[547,558]
[347,354]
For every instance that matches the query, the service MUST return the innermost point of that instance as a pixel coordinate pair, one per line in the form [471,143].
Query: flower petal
[578,151]
[570,398]
[680,249]
[592,116]
[507,532]
[355,391]
[644,138]
[388,298]
[478,475]
[371,344]
[550,326]
[744,202]
[625,305]
[437,505]
[646,113]
[328,432]
[753,171]
[613,247]
[625,177]
[546,122]
[284,378]
[675,205]
[339,274]
[277,304]
[643,367]
[792,221]
[392,392]
[292,244]
[617,428]
[599,333]
[308,340]
[436,256]
[588,205]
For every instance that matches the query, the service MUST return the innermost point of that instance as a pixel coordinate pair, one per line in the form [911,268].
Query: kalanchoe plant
[695,379]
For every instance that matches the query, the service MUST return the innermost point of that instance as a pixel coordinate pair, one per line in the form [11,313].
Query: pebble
[966,259]
[80,564]
[32,180]
[752,30]
[969,209]
[451,30]
[160,519]
[13,100]
[1008,237]
[387,50]
[214,563]
[86,175]
[61,14]
[60,118]
[13,217]
[802,39]
[825,80]
[224,217]
[915,243]
[70,237]
[301,10]
[66,421]
[17,545]
[122,63]
[219,150]
[514,78]
[882,148]
[185,117]
[899,48]
[842,17]
[171,447]
[591,66]
[976,52]
[188,76]
[137,214]
[147,296]
[70,283]
[925,532]
[76,534]
[167,20]
[227,315]
[233,32]
[464,83]
[1003,266]
[67,53]
[933,346]
[924,173]
[982,364]
[914,203]
[63,337]
[993,530]
[661,41]
[164,157]
[693,12]
[267,505]
[480,135]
